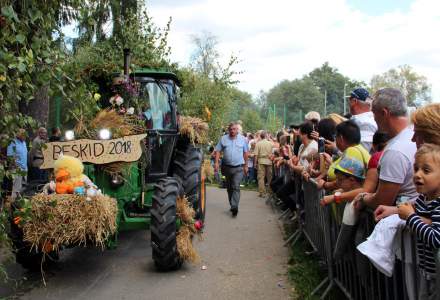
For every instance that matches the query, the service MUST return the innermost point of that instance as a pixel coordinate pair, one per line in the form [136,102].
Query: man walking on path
[263,151]
[235,155]
[360,108]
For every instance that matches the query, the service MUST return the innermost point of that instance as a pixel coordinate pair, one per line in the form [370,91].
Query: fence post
[329,255]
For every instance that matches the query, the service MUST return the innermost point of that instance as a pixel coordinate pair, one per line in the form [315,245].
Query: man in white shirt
[360,108]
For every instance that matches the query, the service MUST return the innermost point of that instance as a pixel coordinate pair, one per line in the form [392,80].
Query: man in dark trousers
[235,154]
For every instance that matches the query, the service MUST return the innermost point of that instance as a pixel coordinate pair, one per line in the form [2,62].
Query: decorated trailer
[136,165]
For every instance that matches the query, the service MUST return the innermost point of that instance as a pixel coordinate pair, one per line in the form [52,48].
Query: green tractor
[170,166]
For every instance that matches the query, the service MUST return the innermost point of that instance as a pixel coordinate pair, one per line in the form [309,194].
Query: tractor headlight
[69,135]
[116,181]
[104,134]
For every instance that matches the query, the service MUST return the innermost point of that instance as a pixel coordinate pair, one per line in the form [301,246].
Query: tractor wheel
[28,257]
[188,164]
[163,225]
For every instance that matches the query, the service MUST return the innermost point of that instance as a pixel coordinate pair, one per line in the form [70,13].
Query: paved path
[244,256]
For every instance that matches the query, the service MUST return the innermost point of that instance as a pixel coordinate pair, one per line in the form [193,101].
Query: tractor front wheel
[27,256]
[188,163]
[163,225]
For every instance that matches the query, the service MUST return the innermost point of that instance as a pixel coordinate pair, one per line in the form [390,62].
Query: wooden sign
[127,148]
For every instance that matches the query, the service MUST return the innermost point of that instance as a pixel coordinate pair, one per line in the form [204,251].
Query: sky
[286,39]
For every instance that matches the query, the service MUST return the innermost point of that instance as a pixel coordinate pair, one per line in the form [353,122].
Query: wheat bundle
[195,129]
[119,124]
[186,231]
[207,170]
[184,245]
[63,219]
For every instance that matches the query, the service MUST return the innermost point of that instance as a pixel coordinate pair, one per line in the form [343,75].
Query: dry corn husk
[65,219]
[186,231]
[195,129]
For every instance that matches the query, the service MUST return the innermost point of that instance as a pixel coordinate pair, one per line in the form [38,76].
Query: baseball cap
[351,166]
[360,93]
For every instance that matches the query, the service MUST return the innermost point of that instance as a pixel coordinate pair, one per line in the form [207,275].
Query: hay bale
[63,219]
[186,232]
[184,245]
[195,129]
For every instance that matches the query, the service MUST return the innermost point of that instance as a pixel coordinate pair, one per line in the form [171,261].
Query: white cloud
[278,39]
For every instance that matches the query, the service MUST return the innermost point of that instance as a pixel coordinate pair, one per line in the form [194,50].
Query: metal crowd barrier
[353,274]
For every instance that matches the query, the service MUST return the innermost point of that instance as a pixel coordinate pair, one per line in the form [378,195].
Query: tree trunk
[38,108]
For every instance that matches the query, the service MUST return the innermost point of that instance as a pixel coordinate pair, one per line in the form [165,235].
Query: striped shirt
[428,235]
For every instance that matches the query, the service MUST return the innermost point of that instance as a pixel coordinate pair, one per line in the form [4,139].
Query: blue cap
[360,93]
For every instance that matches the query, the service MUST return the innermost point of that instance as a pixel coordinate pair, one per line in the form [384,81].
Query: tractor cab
[157,100]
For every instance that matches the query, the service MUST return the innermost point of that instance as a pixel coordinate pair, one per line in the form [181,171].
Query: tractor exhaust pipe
[126,62]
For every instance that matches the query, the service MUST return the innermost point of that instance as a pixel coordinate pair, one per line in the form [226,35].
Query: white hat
[312,115]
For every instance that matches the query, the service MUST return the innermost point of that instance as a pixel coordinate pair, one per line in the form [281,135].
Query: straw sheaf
[207,169]
[195,129]
[62,219]
[119,124]
[184,237]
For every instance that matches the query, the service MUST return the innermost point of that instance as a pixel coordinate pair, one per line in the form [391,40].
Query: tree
[251,120]
[200,92]
[331,83]
[415,87]
[31,71]
[295,98]
[239,101]
[207,84]
[298,96]
[91,19]
[205,55]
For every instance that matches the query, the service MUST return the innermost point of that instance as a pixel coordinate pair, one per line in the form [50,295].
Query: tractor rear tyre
[163,225]
[188,164]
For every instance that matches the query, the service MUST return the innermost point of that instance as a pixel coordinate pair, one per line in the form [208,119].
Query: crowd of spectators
[377,159]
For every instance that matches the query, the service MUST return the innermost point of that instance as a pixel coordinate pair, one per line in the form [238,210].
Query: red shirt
[374,160]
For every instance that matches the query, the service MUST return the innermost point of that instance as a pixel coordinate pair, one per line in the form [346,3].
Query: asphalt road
[244,259]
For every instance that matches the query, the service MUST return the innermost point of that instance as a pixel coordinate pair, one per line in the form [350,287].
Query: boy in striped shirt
[423,217]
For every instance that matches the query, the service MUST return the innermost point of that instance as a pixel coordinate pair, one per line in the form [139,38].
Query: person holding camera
[307,150]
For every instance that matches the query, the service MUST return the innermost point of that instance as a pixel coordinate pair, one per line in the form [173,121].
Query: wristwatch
[337,197]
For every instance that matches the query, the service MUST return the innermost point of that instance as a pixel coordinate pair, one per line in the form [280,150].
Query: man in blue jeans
[234,163]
